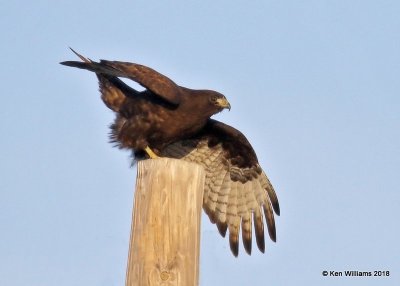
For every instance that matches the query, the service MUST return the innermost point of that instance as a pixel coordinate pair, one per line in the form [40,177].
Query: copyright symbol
[325,273]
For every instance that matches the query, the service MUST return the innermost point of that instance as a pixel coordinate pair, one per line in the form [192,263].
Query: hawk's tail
[93,66]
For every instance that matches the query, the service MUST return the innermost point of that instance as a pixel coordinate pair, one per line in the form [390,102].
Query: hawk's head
[218,100]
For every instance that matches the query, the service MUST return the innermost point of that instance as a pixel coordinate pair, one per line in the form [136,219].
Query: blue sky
[313,85]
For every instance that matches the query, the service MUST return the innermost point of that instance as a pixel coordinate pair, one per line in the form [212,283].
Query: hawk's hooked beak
[224,103]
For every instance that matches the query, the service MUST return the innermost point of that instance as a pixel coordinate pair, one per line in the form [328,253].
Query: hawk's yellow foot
[150,152]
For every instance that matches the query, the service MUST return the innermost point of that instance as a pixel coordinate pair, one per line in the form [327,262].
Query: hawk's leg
[150,152]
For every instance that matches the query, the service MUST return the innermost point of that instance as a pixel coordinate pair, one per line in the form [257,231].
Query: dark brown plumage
[162,114]
[175,122]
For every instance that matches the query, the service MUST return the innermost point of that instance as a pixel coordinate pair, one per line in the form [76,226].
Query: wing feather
[259,229]
[269,216]
[245,212]
[222,200]
[213,194]
[233,219]
[266,184]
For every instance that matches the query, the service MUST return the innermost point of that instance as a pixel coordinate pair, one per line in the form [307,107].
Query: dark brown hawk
[172,121]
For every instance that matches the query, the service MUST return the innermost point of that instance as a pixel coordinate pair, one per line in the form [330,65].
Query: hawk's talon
[150,152]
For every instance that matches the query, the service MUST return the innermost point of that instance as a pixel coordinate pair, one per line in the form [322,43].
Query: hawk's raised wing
[152,80]
[237,191]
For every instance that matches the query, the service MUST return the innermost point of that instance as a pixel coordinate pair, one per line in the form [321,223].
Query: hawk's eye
[214,98]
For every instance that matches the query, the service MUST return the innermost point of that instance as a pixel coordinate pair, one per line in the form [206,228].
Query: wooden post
[165,235]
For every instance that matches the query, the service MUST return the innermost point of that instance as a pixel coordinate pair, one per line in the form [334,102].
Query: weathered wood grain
[165,234]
